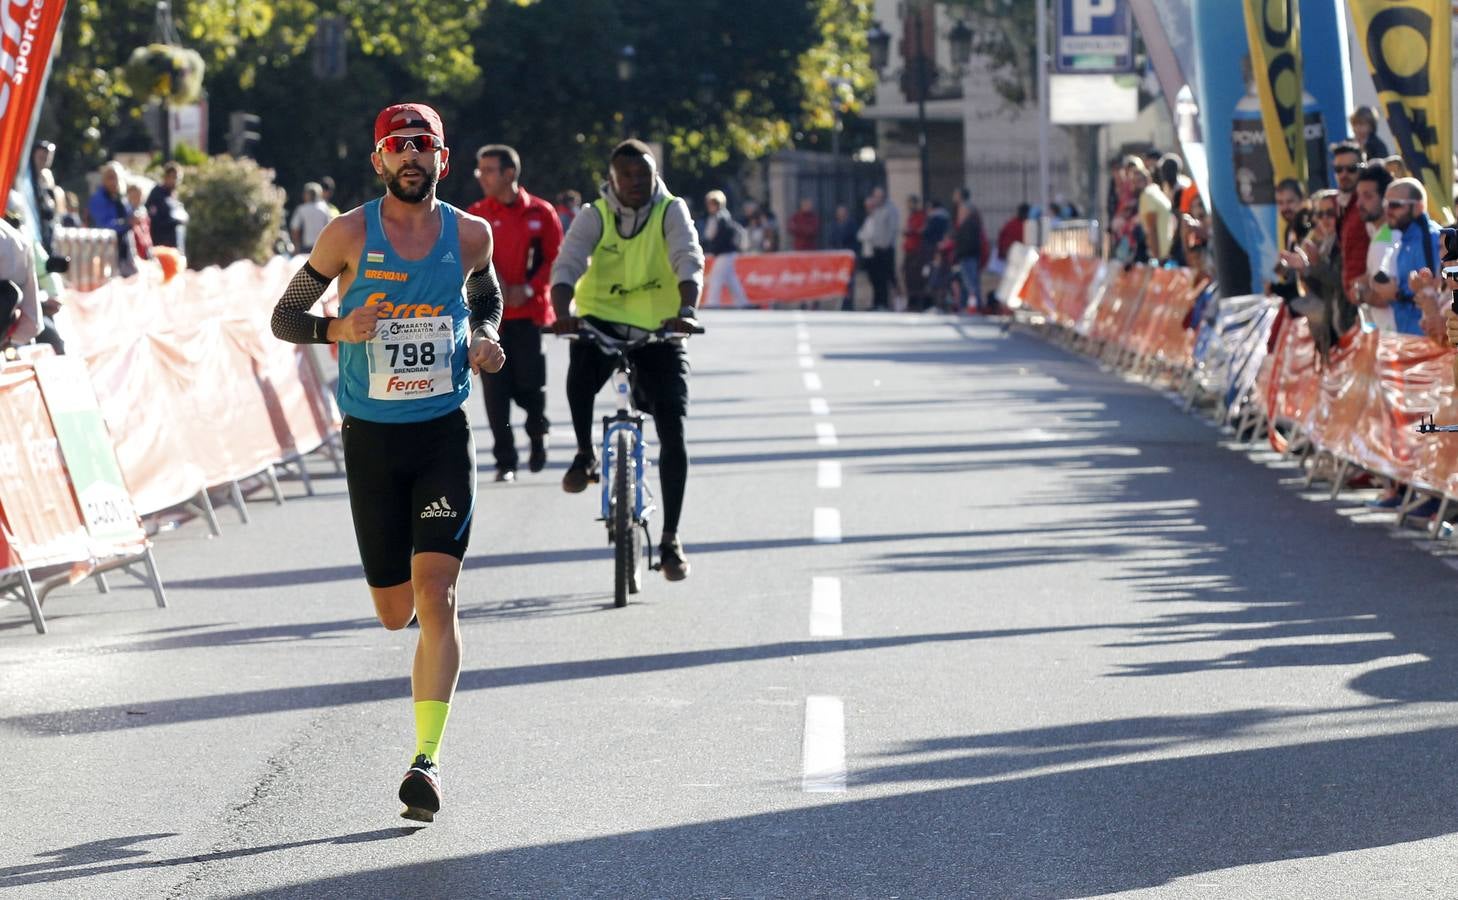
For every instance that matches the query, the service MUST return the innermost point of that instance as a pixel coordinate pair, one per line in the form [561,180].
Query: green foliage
[235,210]
[540,75]
[186,154]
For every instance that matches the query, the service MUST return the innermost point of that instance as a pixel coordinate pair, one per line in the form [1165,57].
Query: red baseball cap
[404,116]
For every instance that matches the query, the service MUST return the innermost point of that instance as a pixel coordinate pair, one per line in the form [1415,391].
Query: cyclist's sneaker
[420,791]
[582,471]
[672,560]
[538,458]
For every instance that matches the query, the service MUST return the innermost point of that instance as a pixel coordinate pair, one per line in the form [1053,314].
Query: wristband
[321,328]
[487,332]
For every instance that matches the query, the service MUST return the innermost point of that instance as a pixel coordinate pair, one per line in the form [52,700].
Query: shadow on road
[101,857]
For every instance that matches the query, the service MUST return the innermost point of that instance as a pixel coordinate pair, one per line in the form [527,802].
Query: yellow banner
[1409,49]
[1273,31]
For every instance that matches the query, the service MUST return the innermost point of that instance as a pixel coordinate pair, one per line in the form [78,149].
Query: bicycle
[622,454]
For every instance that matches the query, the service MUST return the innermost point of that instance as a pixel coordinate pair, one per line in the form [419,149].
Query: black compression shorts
[412,489]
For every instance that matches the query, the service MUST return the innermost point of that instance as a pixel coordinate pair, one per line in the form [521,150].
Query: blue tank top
[415,367]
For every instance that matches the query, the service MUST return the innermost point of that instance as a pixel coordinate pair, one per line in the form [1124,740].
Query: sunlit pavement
[968,617]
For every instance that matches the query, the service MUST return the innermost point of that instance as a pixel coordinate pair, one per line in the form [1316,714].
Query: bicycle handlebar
[607,342]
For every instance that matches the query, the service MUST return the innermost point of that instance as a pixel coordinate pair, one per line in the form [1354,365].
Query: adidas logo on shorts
[438,509]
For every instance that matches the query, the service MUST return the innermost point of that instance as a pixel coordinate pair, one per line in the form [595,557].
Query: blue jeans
[967,268]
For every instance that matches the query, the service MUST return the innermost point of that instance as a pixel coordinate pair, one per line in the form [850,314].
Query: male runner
[419,305]
[646,269]
[527,234]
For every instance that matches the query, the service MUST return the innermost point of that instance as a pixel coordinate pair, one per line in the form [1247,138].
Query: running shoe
[420,791]
[672,560]
[582,471]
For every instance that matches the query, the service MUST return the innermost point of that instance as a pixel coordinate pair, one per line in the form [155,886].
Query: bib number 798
[412,354]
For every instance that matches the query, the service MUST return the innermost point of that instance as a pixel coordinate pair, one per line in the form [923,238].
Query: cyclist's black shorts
[412,489]
[660,372]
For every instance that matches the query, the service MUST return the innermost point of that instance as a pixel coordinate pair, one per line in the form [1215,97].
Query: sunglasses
[1398,204]
[421,143]
[1326,214]
[1346,169]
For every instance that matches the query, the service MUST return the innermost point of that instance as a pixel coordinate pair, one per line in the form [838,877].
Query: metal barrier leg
[101,583]
[1407,505]
[271,474]
[1341,479]
[27,588]
[205,504]
[235,494]
[1436,525]
[335,454]
[154,578]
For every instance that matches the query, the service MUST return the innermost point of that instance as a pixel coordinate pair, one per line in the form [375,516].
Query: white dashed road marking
[825,434]
[827,474]
[825,607]
[823,750]
[827,525]
[812,382]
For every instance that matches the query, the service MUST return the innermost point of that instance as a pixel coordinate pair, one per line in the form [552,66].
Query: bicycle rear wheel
[624,537]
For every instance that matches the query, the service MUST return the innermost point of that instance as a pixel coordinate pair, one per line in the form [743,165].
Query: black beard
[427,185]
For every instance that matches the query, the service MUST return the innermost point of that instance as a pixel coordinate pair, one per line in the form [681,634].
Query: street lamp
[960,40]
[879,43]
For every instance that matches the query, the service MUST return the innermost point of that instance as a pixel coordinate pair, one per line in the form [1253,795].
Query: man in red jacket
[1352,235]
[528,234]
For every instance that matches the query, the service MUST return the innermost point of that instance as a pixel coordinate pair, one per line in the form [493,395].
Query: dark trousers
[523,380]
[881,268]
[660,374]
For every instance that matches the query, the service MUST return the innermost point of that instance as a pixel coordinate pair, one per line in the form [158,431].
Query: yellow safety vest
[630,280]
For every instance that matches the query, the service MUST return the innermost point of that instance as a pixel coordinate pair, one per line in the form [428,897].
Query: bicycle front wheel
[624,537]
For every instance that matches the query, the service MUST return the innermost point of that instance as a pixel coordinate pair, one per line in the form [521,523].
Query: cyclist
[642,273]
[527,234]
[419,307]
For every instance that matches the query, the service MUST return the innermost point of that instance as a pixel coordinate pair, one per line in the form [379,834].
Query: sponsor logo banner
[1408,45]
[765,278]
[1273,30]
[27,31]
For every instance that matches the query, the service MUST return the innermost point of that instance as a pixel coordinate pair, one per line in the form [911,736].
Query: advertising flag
[27,31]
[1408,45]
[1273,32]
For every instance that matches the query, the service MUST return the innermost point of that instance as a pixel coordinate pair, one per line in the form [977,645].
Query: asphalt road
[968,618]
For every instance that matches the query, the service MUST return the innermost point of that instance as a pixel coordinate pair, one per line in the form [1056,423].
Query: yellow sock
[430,722]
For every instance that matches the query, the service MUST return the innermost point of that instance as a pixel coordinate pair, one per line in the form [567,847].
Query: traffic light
[243,134]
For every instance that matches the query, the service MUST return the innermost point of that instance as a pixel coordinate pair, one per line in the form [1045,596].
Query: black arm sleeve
[483,294]
[292,320]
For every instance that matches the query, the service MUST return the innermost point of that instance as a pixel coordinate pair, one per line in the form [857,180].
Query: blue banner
[1241,180]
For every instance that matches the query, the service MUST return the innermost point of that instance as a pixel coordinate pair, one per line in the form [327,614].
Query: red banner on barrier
[791,277]
[762,279]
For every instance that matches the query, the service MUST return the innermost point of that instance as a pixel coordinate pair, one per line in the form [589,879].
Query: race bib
[411,358]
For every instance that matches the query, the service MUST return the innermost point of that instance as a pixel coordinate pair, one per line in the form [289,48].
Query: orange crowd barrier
[64,513]
[1362,404]
[193,386]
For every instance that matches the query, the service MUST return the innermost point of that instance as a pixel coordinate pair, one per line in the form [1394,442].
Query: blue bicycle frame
[627,421]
